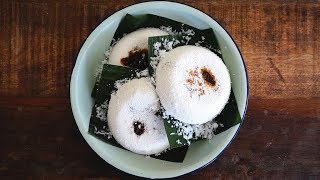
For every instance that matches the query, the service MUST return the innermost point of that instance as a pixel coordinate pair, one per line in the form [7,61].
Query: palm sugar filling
[194,79]
[138,128]
[208,77]
[137,59]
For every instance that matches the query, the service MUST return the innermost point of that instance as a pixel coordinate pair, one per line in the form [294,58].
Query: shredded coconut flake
[193,131]
[102,111]
[178,141]
[106,133]
[168,29]
[144,73]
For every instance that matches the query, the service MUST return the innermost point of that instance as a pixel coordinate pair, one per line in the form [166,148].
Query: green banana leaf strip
[229,116]
[172,135]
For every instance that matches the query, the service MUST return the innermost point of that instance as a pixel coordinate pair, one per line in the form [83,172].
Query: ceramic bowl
[200,153]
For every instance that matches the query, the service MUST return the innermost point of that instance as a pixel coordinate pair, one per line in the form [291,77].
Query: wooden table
[280,42]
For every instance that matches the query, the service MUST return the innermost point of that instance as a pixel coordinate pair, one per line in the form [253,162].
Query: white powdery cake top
[132,120]
[193,84]
[136,40]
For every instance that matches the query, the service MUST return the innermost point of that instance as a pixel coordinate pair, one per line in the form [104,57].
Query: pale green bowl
[200,153]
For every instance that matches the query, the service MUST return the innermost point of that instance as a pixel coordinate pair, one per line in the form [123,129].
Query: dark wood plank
[279,41]
[280,138]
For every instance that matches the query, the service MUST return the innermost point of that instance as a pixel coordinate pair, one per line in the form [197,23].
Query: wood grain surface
[279,40]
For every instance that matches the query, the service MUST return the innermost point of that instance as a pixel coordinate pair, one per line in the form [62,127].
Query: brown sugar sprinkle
[194,72]
[208,77]
[137,59]
[196,83]
[201,92]
[190,81]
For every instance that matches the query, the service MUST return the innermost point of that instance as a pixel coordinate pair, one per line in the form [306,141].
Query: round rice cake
[193,84]
[132,120]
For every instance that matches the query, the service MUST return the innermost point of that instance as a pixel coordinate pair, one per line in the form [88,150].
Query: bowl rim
[74,77]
